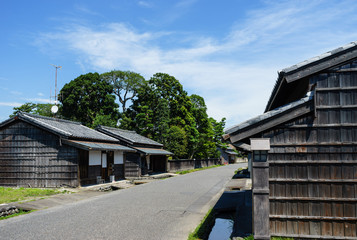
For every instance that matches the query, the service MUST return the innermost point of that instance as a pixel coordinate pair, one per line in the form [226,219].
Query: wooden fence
[187,164]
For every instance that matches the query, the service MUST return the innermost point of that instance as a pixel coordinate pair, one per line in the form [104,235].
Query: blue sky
[227,51]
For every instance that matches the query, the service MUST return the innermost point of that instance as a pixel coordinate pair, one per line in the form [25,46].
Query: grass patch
[196,169]
[8,195]
[21,212]
[203,230]
[240,170]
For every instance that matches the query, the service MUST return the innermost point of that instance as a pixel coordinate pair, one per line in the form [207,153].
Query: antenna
[57,67]
[54,108]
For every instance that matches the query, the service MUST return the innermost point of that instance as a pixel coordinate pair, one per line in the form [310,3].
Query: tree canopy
[43,109]
[164,112]
[125,84]
[88,97]
[159,109]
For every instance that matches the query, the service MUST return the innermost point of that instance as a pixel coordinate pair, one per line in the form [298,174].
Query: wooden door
[110,162]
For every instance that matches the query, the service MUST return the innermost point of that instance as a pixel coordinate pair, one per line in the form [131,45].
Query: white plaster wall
[118,157]
[104,160]
[95,158]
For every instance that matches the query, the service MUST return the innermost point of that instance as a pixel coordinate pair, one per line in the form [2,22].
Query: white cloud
[10,104]
[236,73]
[145,4]
[37,100]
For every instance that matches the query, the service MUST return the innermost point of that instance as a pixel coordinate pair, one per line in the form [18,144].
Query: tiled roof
[154,151]
[127,136]
[311,66]
[98,146]
[64,128]
[268,115]
[320,57]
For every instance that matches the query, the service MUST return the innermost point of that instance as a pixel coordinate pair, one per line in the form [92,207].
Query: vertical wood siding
[132,165]
[313,164]
[32,157]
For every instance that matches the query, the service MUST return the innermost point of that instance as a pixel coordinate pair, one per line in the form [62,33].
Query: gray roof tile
[154,151]
[99,146]
[65,128]
[128,136]
[305,64]
[269,114]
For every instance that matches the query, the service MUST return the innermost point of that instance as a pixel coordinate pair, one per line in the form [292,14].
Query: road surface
[163,209]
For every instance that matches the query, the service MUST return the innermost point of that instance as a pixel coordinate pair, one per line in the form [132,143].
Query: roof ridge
[269,114]
[319,57]
[46,124]
[288,71]
[49,118]
[120,129]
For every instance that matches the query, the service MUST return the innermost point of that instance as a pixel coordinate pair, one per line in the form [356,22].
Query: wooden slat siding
[313,165]
[187,164]
[132,165]
[31,157]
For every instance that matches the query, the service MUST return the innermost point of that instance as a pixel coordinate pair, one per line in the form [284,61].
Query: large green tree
[218,129]
[87,98]
[43,109]
[161,111]
[204,147]
[125,84]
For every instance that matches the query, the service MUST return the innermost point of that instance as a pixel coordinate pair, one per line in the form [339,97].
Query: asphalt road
[163,209]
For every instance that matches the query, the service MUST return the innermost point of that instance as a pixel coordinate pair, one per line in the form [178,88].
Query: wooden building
[37,151]
[311,121]
[228,155]
[149,158]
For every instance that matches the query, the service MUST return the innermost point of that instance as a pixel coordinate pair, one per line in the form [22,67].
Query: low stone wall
[6,210]
[187,164]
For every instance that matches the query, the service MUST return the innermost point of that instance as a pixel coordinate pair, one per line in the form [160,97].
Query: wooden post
[260,181]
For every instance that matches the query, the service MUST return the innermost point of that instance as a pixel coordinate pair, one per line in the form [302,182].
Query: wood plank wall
[132,165]
[31,157]
[313,164]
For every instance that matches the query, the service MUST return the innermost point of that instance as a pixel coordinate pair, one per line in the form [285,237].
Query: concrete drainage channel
[233,210]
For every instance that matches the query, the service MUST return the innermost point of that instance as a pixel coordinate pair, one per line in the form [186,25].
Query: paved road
[164,209]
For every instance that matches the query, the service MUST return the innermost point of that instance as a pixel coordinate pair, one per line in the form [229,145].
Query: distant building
[149,156]
[228,155]
[311,122]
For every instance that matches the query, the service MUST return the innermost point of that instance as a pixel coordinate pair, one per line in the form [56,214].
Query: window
[260,156]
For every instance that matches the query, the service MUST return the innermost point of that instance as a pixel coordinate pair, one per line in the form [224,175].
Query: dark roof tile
[129,136]
[65,128]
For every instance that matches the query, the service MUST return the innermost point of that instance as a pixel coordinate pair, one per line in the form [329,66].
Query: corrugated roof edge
[268,115]
[296,67]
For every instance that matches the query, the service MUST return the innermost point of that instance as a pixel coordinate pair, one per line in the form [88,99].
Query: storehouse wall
[313,163]
[32,157]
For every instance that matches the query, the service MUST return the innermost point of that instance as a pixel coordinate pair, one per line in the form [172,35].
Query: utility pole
[57,67]
[54,108]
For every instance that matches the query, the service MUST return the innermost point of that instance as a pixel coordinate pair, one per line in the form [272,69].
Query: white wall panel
[118,157]
[95,158]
